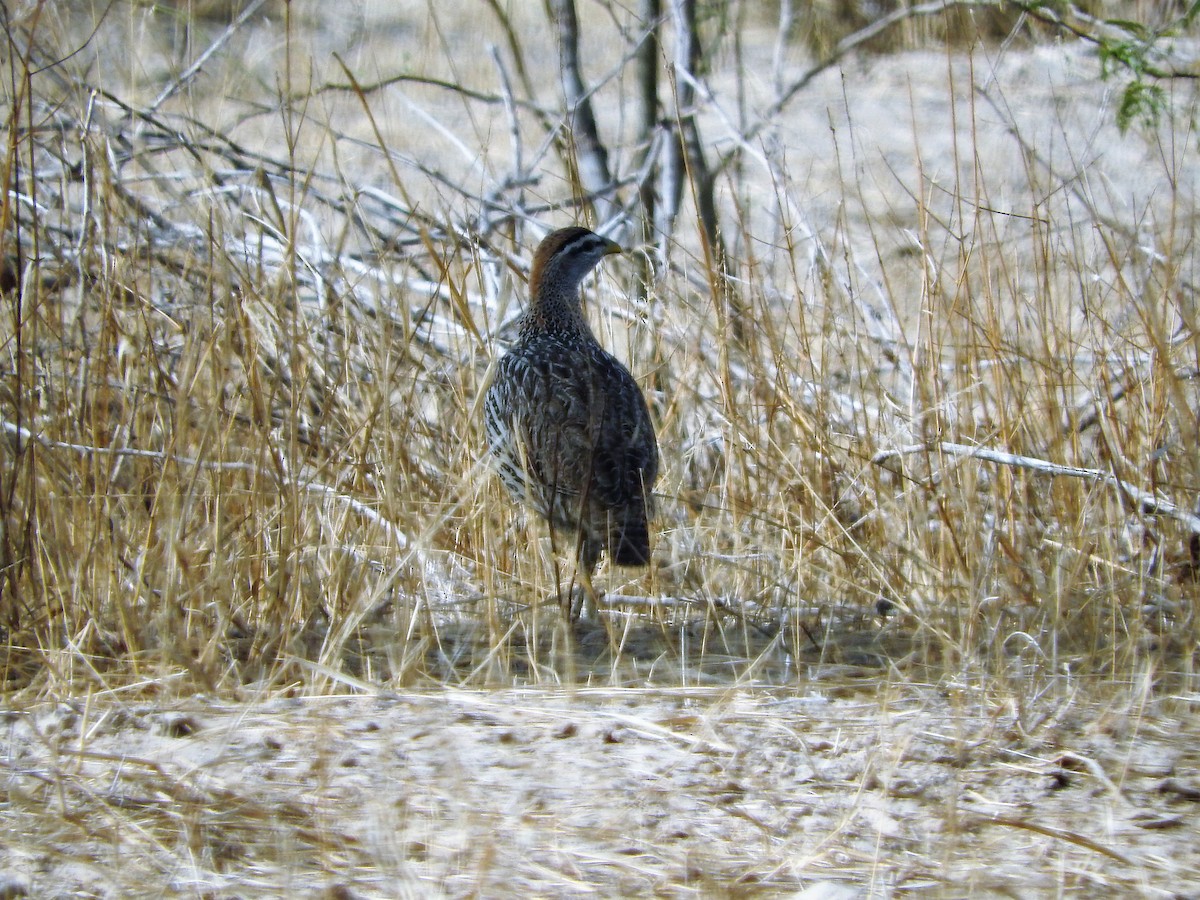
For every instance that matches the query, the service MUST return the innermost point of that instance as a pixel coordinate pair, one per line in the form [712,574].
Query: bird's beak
[612,247]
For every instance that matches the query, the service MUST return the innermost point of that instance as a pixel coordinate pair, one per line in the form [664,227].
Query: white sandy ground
[844,792]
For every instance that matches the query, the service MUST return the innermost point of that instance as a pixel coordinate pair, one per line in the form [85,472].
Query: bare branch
[590,154]
[844,47]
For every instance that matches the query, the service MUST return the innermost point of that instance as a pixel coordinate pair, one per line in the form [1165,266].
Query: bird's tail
[631,540]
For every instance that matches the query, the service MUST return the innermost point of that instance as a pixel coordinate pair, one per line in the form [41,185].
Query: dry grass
[246,324]
[242,378]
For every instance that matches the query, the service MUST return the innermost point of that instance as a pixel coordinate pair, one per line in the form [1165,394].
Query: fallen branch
[1148,503]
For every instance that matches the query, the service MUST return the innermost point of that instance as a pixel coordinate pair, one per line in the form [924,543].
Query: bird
[568,428]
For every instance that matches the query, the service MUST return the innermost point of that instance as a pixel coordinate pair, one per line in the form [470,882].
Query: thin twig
[191,71]
[1060,834]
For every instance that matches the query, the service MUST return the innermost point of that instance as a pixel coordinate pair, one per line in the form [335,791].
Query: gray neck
[557,308]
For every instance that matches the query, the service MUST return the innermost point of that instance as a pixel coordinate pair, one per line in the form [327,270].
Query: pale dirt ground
[859,790]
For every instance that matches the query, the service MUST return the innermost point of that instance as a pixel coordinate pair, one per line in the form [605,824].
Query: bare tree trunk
[589,155]
[671,193]
[687,155]
[646,61]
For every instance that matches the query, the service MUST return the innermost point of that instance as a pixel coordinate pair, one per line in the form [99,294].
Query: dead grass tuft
[245,337]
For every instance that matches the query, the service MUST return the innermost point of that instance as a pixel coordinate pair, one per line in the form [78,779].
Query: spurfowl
[567,425]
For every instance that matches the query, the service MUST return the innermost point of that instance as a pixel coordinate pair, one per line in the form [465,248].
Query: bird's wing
[625,451]
[578,422]
[545,403]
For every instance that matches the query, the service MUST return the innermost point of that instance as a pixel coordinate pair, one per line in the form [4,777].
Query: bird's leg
[584,600]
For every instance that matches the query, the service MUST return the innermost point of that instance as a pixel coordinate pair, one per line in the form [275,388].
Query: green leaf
[1141,102]
[1130,27]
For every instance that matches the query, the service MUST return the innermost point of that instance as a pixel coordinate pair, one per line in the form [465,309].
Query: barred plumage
[567,425]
